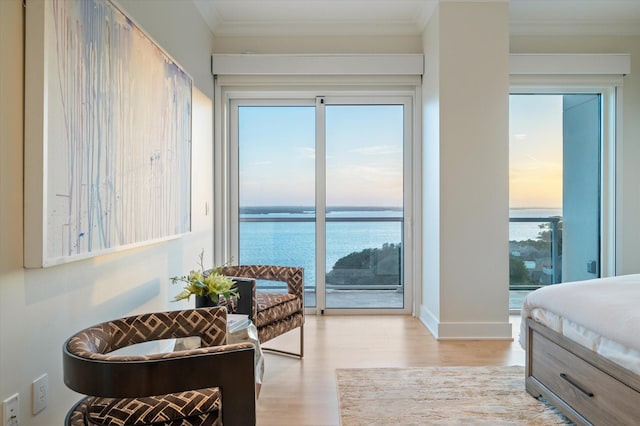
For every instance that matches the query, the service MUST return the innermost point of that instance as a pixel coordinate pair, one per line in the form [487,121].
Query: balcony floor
[384,299]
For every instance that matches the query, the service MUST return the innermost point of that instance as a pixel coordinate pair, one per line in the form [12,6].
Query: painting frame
[108,129]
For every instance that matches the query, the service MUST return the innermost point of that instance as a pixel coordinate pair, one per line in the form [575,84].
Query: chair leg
[293,354]
[76,415]
[301,341]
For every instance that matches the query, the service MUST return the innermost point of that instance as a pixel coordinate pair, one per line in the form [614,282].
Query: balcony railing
[369,293]
[310,280]
[554,271]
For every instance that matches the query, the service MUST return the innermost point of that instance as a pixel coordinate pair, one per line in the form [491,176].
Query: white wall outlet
[39,394]
[11,411]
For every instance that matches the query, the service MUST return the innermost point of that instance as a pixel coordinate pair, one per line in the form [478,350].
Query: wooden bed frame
[585,386]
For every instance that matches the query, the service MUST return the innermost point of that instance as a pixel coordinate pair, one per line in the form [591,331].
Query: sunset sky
[535,151]
[364,154]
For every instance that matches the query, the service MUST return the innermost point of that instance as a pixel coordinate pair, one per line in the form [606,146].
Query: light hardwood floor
[303,392]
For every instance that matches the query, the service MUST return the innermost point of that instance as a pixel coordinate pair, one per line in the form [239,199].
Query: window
[557,196]
[322,183]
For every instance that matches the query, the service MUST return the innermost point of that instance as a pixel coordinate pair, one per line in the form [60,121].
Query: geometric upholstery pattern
[202,404]
[275,306]
[272,313]
[187,387]
[96,342]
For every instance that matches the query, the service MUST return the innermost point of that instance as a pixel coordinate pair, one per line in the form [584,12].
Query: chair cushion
[278,328]
[275,307]
[200,407]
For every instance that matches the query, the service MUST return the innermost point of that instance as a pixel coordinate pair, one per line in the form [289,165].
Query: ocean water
[275,242]
[293,243]
[521,231]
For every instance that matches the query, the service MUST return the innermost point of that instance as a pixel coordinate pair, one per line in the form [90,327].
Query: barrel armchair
[210,385]
[273,313]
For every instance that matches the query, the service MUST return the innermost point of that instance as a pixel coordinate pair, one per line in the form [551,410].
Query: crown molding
[256,18]
[209,12]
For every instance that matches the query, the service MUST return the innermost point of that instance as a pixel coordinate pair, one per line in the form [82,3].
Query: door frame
[611,120]
[227,242]
[407,238]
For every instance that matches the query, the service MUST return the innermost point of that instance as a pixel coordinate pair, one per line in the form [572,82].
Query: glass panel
[535,192]
[364,198]
[581,194]
[554,190]
[277,189]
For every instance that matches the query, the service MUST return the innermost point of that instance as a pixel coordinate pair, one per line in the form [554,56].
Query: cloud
[307,152]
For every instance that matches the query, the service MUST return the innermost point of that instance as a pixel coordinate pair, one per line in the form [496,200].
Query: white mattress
[601,314]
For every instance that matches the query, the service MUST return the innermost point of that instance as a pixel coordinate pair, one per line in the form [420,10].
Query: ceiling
[409,17]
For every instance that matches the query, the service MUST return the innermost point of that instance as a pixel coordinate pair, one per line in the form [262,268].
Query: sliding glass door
[364,206]
[321,184]
[276,188]
[555,190]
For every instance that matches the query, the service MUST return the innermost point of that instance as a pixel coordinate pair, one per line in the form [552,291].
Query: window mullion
[321,205]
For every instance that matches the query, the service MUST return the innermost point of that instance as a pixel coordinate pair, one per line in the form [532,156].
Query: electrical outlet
[11,411]
[39,394]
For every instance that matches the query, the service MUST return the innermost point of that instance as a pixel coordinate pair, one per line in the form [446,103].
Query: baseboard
[429,320]
[465,330]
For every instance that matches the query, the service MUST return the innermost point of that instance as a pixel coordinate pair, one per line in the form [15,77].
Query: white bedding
[602,314]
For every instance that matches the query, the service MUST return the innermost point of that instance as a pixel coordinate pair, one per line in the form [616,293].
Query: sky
[276,155]
[364,154]
[535,151]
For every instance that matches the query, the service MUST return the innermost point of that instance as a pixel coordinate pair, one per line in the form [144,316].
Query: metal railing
[328,219]
[555,242]
[555,258]
[339,219]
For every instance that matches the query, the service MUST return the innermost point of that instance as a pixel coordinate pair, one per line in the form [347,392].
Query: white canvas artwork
[113,138]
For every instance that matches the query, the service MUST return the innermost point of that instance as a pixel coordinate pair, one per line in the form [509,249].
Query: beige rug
[440,396]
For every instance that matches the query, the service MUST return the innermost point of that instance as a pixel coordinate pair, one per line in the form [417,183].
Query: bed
[582,342]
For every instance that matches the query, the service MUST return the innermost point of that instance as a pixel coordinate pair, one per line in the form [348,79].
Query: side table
[240,330]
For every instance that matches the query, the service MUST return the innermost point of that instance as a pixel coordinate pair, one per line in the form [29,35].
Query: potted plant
[206,287]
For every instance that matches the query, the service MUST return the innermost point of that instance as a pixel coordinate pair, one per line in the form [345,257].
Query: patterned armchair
[189,387]
[272,313]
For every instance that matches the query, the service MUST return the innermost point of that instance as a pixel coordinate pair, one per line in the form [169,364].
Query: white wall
[628,153]
[319,44]
[465,133]
[40,308]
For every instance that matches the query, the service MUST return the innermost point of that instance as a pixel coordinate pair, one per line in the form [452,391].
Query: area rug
[440,396]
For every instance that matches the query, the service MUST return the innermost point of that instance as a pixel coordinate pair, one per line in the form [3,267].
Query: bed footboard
[586,387]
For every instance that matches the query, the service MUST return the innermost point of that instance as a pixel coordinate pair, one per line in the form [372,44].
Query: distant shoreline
[254,210]
[535,208]
[311,209]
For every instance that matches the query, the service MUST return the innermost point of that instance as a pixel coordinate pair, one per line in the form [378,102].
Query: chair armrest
[291,275]
[208,323]
[158,374]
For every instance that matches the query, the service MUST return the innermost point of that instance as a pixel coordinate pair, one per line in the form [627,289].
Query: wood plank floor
[303,392]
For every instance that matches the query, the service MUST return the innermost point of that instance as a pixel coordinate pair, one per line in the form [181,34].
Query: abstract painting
[116,134]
